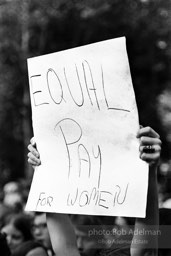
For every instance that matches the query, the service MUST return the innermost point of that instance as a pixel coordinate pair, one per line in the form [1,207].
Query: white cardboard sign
[85,122]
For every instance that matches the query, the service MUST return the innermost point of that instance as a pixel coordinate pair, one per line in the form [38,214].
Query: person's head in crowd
[17,228]
[14,201]
[124,223]
[11,187]
[40,230]
[12,196]
[30,248]
[87,242]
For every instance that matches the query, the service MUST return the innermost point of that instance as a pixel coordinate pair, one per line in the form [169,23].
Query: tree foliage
[31,28]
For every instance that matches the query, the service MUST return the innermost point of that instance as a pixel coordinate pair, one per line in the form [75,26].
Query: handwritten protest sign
[85,122]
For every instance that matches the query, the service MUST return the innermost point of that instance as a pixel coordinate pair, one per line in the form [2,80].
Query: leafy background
[30,28]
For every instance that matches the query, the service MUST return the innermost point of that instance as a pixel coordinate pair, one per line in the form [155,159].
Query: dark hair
[85,219]
[165,216]
[38,213]
[4,249]
[22,222]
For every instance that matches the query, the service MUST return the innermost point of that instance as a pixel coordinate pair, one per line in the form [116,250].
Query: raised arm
[145,240]
[62,234]
[61,230]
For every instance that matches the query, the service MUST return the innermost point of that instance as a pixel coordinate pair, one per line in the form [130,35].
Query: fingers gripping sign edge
[147,131]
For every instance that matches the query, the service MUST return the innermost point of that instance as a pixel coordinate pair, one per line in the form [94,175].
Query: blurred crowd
[26,234]
[22,233]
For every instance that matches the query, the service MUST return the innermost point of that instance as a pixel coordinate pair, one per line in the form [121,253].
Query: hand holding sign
[146,136]
[85,123]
